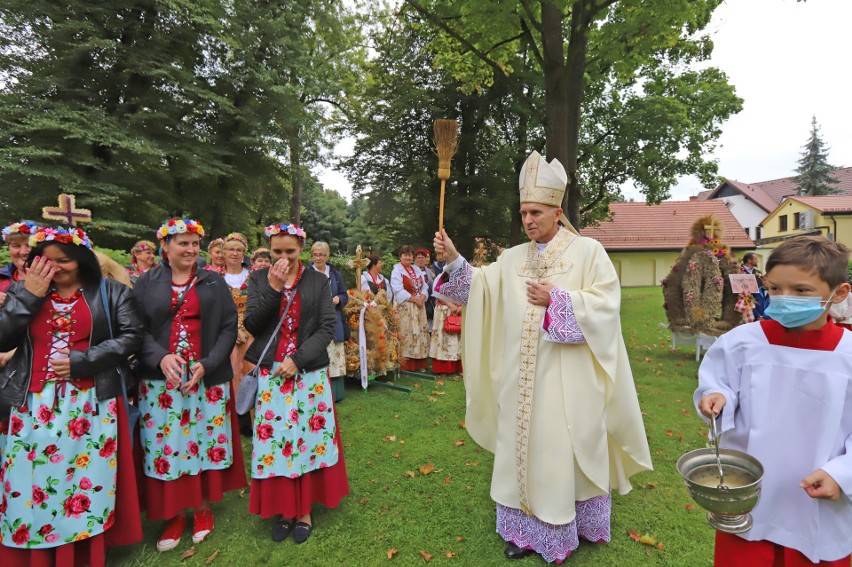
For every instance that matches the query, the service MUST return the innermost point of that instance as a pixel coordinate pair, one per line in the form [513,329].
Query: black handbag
[123,370]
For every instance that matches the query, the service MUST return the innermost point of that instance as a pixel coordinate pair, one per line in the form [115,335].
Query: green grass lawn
[448,514]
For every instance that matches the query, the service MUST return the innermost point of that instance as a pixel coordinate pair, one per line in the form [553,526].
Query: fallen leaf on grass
[426,469]
[364,500]
[459,443]
[680,436]
[212,558]
[188,553]
[391,553]
[646,539]
[669,432]
[433,399]
[438,392]
[447,480]
[456,379]
[472,464]
[690,507]
[451,554]
[396,455]
[390,438]
[426,556]
[402,441]
[439,382]
[242,492]
[459,538]
[410,474]
[462,425]
[633,535]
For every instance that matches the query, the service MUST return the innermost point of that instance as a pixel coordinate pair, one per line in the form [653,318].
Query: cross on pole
[712,227]
[67,211]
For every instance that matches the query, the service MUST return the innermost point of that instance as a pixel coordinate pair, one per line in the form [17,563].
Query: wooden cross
[712,227]
[359,264]
[67,211]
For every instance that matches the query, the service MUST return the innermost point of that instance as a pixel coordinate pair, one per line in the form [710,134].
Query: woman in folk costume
[190,439]
[17,238]
[141,259]
[297,456]
[409,286]
[216,255]
[444,349]
[373,280]
[549,386]
[261,258]
[234,248]
[67,481]
[320,253]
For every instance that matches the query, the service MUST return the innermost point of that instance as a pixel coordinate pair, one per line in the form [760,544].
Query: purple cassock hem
[556,542]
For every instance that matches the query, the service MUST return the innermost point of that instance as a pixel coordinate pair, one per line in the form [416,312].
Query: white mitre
[542,182]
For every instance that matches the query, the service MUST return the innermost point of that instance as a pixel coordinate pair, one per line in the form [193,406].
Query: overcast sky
[789,61]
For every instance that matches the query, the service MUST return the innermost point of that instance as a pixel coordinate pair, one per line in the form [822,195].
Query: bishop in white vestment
[549,387]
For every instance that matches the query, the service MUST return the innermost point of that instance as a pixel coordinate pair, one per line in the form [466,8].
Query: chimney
[693,198]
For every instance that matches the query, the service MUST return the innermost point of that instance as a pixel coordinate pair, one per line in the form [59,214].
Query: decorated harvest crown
[24,227]
[285,229]
[70,235]
[180,226]
[236,237]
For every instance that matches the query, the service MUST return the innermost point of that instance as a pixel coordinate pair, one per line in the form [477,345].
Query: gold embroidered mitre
[542,182]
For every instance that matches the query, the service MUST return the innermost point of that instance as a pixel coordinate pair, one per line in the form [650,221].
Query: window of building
[782,223]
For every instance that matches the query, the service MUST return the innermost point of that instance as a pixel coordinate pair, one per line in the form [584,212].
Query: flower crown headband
[144,245]
[24,227]
[180,226]
[284,230]
[70,235]
[236,237]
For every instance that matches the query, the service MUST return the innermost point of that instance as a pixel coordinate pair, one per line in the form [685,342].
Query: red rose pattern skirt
[191,447]
[68,480]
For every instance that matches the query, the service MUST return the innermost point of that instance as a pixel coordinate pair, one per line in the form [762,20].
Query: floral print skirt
[294,425]
[184,433]
[59,468]
[336,359]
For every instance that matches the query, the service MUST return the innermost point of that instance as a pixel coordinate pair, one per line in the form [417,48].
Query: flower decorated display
[285,229]
[69,235]
[25,227]
[381,330]
[697,299]
[174,227]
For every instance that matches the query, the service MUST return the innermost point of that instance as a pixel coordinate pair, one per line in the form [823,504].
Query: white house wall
[746,212]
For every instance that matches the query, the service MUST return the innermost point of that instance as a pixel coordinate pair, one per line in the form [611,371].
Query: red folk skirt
[733,551]
[163,500]
[293,497]
[91,552]
[446,366]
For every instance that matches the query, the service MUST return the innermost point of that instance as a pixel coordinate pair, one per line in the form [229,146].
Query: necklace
[416,282]
[376,281]
[298,277]
[16,275]
[189,279]
[55,297]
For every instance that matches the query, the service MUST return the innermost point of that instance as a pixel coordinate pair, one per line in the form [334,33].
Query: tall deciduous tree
[584,49]
[814,172]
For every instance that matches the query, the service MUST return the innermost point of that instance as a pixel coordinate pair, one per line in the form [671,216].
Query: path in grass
[394,509]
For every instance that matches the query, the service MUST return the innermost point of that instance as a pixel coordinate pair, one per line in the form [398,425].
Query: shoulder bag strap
[275,331]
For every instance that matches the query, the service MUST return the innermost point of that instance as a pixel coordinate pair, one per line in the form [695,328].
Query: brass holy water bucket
[728,508]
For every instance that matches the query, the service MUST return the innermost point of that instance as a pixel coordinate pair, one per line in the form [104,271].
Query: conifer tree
[814,172]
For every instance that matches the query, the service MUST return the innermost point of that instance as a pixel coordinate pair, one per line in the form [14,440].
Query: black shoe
[302,532]
[281,529]
[514,552]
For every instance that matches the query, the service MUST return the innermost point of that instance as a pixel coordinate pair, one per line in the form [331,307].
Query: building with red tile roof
[644,240]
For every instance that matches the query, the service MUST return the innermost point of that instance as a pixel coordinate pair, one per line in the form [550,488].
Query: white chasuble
[562,420]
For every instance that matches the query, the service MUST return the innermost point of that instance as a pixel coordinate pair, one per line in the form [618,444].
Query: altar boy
[783,391]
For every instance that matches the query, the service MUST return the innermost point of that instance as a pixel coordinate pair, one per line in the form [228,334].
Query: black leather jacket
[153,292]
[99,360]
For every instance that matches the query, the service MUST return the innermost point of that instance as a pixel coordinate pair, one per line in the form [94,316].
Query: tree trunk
[295,180]
[555,82]
[578,44]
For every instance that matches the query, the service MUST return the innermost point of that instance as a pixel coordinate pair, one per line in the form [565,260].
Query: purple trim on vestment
[455,285]
[559,321]
[556,542]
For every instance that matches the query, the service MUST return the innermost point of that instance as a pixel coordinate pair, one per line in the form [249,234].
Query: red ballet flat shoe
[171,535]
[202,525]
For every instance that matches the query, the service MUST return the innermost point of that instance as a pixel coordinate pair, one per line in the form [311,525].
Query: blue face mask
[795,310]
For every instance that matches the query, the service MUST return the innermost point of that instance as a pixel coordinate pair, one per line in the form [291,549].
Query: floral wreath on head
[23,227]
[284,230]
[236,237]
[179,226]
[143,245]
[70,235]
